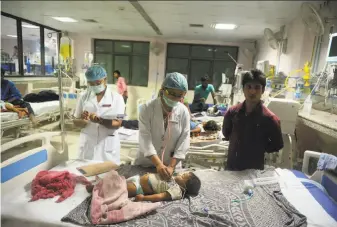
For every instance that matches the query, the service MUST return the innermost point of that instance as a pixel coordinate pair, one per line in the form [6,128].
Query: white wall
[299,47]
[83,43]
[300,44]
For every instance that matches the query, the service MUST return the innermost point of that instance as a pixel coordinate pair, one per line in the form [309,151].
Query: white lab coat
[96,141]
[152,133]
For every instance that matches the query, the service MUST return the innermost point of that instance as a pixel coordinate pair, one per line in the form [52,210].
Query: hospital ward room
[169,113]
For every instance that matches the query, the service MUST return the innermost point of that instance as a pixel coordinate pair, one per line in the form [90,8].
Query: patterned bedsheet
[214,206]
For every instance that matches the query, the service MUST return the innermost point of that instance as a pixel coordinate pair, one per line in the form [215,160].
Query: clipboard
[97,168]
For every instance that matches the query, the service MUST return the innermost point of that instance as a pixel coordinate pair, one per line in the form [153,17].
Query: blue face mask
[169,102]
[98,88]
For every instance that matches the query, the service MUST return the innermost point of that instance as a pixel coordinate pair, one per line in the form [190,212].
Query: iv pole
[235,82]
[61,103]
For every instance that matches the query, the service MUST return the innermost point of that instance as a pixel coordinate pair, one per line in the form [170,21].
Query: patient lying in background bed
[8,107]
[197,127]
[10,94]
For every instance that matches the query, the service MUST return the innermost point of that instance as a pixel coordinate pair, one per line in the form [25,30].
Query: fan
[157,48]
[312,19]
[275,40]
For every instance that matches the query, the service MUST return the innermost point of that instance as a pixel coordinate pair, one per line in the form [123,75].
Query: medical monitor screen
[333,47]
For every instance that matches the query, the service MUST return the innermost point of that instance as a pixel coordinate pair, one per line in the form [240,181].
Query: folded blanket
[327,162]
[110,203]
[42,96]
[48,184]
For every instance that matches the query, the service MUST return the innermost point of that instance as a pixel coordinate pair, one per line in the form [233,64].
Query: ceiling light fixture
[65,19]
[14,36]
[29,26]
[225,26]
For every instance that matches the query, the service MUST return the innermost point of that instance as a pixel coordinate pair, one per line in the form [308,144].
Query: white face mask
[98,88]
[170,102]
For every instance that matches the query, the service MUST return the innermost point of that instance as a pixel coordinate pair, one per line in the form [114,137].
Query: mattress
[41,212]
[38,108]
[17,211]
[323,199]
[302,199]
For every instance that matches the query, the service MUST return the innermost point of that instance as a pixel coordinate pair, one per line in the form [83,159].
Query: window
[9,46]
[129,57]
[31,49]
[28,48]
[105,60]
[199,60]
[50,51]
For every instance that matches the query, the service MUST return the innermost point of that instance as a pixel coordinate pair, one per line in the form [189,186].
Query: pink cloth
[110,203]
[121,86]
[48,184]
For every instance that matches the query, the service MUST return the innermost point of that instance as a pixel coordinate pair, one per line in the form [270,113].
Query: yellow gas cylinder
[306,77]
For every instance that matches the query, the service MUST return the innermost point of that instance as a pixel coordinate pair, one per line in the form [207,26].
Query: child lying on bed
[209,126]
[150,187]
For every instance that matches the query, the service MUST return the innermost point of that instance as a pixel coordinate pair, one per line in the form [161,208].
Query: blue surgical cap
[175,81]
[95,72]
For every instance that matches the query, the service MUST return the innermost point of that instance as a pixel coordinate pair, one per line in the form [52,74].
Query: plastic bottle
[268,89]
[298,93]
[307,106]
[65,49]
[300,84]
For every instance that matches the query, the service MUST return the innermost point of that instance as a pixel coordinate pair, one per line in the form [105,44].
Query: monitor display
[332,50]
[333,47]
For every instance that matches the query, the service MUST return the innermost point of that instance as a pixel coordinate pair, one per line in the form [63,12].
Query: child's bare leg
[132,190]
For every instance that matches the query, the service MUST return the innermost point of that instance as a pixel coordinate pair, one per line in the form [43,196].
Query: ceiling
[120,18]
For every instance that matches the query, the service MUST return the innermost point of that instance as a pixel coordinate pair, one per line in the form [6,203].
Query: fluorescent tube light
[29,26]
[65,19]
[225,26]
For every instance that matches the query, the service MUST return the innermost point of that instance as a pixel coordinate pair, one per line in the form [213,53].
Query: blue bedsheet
[326,202]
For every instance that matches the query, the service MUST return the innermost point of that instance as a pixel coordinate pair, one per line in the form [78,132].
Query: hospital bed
[308,184]
[216,204]
[203,116]
[44,111]
[201,154]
